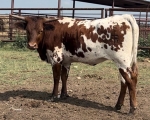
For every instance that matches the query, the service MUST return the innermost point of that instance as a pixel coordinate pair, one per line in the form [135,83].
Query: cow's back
[93,41]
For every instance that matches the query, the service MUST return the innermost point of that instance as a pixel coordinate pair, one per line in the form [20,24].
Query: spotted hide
[61,41]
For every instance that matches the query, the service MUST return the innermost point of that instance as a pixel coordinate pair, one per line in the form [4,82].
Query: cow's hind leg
[121,97]
[130,77]
[64,77]
[56,76]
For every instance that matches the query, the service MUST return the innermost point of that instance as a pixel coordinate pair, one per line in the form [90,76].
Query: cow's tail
[135,35]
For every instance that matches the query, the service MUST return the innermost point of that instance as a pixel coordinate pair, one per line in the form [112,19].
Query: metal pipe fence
[6,27]
[140,14]
[8,32]
[143,19]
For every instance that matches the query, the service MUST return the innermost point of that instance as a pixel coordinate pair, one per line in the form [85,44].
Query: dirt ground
[91,98]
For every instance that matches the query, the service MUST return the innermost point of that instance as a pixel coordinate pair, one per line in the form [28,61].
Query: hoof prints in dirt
[93,76]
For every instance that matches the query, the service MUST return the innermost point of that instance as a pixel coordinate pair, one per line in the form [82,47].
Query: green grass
[25,67]
[19,67]
[144,73]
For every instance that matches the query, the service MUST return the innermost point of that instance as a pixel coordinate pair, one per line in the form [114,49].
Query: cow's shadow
[38,95]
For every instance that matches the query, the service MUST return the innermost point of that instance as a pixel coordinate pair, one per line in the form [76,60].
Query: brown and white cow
[62,41]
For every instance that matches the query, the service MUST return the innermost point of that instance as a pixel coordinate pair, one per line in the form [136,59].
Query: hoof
[53,99]
[132,110]
[64,96]
[118,107]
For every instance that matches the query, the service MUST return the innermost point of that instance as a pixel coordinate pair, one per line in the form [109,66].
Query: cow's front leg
[56,76]
[64,77]
[121,97]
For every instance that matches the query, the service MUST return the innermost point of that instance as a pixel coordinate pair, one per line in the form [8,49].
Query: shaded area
[38,95]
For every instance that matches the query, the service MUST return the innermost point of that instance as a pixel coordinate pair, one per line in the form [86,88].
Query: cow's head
[34,27]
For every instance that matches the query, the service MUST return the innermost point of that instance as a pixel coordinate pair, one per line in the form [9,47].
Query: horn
[19,17]
[50,20]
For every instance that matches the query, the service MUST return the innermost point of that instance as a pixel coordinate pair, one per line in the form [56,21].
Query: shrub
[20,43]
[144,43]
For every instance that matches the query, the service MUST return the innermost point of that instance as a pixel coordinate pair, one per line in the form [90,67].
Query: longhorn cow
[65,40]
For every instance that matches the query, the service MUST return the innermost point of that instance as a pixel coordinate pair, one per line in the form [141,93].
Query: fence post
[106,13]
[102,13]
[10,18]
[12,6]
[19,13]
[73,9]
[59,4]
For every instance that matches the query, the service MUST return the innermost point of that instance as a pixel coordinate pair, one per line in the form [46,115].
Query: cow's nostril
[32,46]
[35,45]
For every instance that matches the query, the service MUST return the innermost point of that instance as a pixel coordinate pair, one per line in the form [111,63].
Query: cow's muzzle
[32,46]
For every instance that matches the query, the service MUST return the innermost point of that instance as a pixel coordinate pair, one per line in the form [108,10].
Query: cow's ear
[49,26]
[20,25]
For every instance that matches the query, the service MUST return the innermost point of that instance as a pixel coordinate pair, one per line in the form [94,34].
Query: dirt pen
[26,82]
[26,85]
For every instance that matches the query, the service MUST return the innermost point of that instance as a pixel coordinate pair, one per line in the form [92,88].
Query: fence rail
[143,19]
[9,33]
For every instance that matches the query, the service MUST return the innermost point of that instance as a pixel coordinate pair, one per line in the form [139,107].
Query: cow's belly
[86,60]
[92,61]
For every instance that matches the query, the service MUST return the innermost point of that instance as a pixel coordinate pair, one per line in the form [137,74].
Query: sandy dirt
[91,98]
